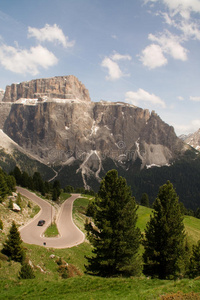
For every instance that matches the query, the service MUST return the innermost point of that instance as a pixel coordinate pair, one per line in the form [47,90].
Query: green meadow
[48,284]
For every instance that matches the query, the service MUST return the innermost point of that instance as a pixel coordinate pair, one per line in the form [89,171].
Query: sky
[144,52]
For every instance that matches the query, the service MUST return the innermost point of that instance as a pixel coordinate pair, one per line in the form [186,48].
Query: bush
[59,261]
[26,272]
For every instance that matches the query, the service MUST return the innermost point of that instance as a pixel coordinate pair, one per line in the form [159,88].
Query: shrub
[26,272]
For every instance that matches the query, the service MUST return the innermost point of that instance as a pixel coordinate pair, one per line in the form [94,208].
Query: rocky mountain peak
[192,139]
[84,136]
[61,87]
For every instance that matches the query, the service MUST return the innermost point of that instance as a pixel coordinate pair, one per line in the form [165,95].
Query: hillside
[48,283]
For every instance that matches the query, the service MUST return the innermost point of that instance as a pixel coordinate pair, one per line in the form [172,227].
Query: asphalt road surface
[70,234]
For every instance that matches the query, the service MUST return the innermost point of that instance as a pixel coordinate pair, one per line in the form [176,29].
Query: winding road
[69,234]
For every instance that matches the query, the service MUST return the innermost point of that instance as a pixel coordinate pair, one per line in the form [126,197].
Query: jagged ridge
[60,130]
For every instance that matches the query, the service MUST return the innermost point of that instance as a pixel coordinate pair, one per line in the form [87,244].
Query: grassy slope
[49,285]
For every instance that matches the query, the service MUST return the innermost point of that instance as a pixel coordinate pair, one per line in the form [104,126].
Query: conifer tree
[3,187]
[194,269]
[144,200]
[12,246]
[26,272]
[17,174]
[164,236]
[114,234]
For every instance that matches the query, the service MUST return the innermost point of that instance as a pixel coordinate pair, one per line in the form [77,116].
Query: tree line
[48,189]
[183,173]
[111,229]
[144,201]
[7,184]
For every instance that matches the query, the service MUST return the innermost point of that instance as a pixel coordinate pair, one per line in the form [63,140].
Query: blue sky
[145,52]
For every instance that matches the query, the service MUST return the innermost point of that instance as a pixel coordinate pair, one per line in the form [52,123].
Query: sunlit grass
[64,196]
[52,231]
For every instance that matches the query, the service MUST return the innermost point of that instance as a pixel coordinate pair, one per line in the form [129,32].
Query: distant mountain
[192,139]
[55,122]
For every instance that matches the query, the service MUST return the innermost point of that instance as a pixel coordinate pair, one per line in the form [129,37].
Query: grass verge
[52,231]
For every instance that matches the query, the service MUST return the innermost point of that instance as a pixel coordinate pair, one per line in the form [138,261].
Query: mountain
[55,122]
[192,139]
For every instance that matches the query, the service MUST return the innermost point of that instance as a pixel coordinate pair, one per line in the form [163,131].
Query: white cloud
[112,64]
[152,57]
[51,34]
[180,98]
[113,69]
[181,15]
[170,44]
[196,99]
[184,7]
[189,29]
[26,61]
[116,57]
[143,96]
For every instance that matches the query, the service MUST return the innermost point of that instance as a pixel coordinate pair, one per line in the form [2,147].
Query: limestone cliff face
[4,112]
[62,132]
[64,87]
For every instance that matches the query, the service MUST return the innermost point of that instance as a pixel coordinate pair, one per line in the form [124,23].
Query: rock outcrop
[63,87]
[78,131]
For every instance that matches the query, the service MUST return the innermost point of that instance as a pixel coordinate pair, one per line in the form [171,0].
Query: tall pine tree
[164,236]
[113,233]
[194,268]
[12,246]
